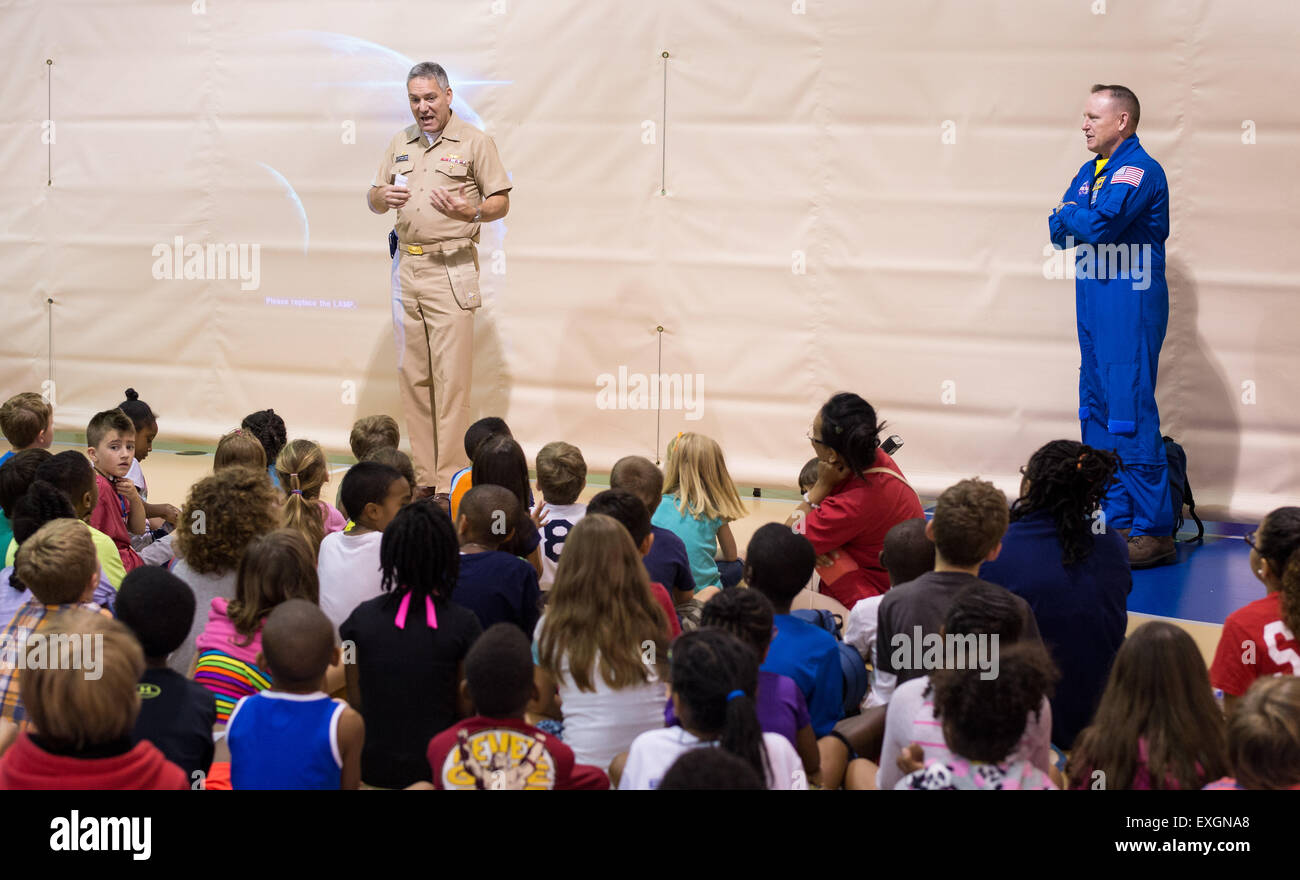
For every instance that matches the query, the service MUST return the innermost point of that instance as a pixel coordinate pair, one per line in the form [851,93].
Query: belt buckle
[415,249]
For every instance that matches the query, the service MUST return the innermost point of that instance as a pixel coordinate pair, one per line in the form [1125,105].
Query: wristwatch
[478,214]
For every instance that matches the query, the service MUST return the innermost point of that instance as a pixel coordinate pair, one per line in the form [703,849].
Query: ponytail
[302,470]
[715,675]
[849,427]
[1068,480]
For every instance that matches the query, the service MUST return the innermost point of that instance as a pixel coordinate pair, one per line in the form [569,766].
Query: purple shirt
[781,707]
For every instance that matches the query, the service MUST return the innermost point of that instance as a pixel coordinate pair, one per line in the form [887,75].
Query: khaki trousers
[434,334]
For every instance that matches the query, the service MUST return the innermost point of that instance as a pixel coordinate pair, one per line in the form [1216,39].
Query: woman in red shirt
[860,494]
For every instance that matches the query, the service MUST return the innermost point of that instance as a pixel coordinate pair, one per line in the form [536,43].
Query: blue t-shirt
[808,654]
[280,740]
[668,563]
[499,588]
[1081,610]
[699,534]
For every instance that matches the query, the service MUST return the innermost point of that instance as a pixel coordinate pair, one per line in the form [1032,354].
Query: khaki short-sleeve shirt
[461,155]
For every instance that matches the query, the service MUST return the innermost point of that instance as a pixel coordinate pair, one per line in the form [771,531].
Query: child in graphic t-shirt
[561,477]
[496,748]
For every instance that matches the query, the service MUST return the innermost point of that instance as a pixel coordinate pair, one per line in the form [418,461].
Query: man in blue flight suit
[1116,212]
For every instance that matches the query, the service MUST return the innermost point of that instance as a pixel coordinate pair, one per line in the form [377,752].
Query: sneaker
[1148,551]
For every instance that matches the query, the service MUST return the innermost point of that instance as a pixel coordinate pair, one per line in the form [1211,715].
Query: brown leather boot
[1148,551]
[443,500]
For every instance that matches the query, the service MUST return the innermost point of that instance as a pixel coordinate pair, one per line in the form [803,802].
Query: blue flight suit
[1122,304]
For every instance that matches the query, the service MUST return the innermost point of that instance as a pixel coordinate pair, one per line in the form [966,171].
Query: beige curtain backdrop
[817,196]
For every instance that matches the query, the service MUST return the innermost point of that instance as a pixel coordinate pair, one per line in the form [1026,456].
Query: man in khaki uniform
[444,178]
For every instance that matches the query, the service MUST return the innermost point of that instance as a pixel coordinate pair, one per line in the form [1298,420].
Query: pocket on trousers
[462,273]
[1121,398]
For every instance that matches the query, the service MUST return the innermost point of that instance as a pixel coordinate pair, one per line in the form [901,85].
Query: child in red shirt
[83,740]
[496,748]
[1259,639]
[110,442]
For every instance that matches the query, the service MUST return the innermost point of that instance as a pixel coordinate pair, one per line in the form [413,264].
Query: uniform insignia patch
[405,157]
[1083,189]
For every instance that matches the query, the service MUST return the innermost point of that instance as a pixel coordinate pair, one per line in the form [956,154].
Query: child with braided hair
[983,722]
[302,470]
[1060,557]
[408,647]
[1269,624]
[714,684]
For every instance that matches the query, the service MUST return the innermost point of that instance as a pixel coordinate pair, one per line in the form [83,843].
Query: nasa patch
[1083,189]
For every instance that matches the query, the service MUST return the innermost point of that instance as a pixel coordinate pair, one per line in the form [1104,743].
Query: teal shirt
[699,534]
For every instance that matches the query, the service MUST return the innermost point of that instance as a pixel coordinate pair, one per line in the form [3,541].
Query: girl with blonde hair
[700,501]
[302,470]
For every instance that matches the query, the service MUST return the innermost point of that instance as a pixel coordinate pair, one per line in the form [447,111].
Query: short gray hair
[429,70]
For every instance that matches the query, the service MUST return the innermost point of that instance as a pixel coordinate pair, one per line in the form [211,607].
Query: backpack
[1180,491]
[852,666]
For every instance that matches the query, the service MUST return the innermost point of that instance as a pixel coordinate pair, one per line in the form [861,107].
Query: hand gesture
[538,513]
[171,513]
[124,487]
[830,474]
[394,196]
[452,202]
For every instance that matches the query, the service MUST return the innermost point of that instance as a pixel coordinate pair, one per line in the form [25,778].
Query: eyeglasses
[1250,541]
[1023,469]
[816,440]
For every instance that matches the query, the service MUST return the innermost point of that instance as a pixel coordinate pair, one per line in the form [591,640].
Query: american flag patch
[1130,174]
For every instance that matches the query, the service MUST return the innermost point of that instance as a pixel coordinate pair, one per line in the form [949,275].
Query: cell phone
[892,444]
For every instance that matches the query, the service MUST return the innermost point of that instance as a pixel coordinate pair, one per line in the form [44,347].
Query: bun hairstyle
[849,427]
[1068,480]
[139,412]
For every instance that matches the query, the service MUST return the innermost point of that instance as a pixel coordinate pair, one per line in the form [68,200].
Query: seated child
[1272,621]
[119,510]
[747,615]
[348,562]
[625,507]
[711,770]
[667,561]
[239,448]
[496,748]
[1264,737]
[294,736]
[46,501]
[501,462]
[979,609]
[176,714]
[273,569]
[27,422]
[16,476]
[1158,725]
[413,627]
[779,564]
[80,737]
[303,471]
[983,720]
[601,646]
[372,433]
[561,477]
[146,431]
[58,565]
[969,521]
[714,683]
[906,555]
[700,502]
[462,481]
[270,431]
[496,586]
